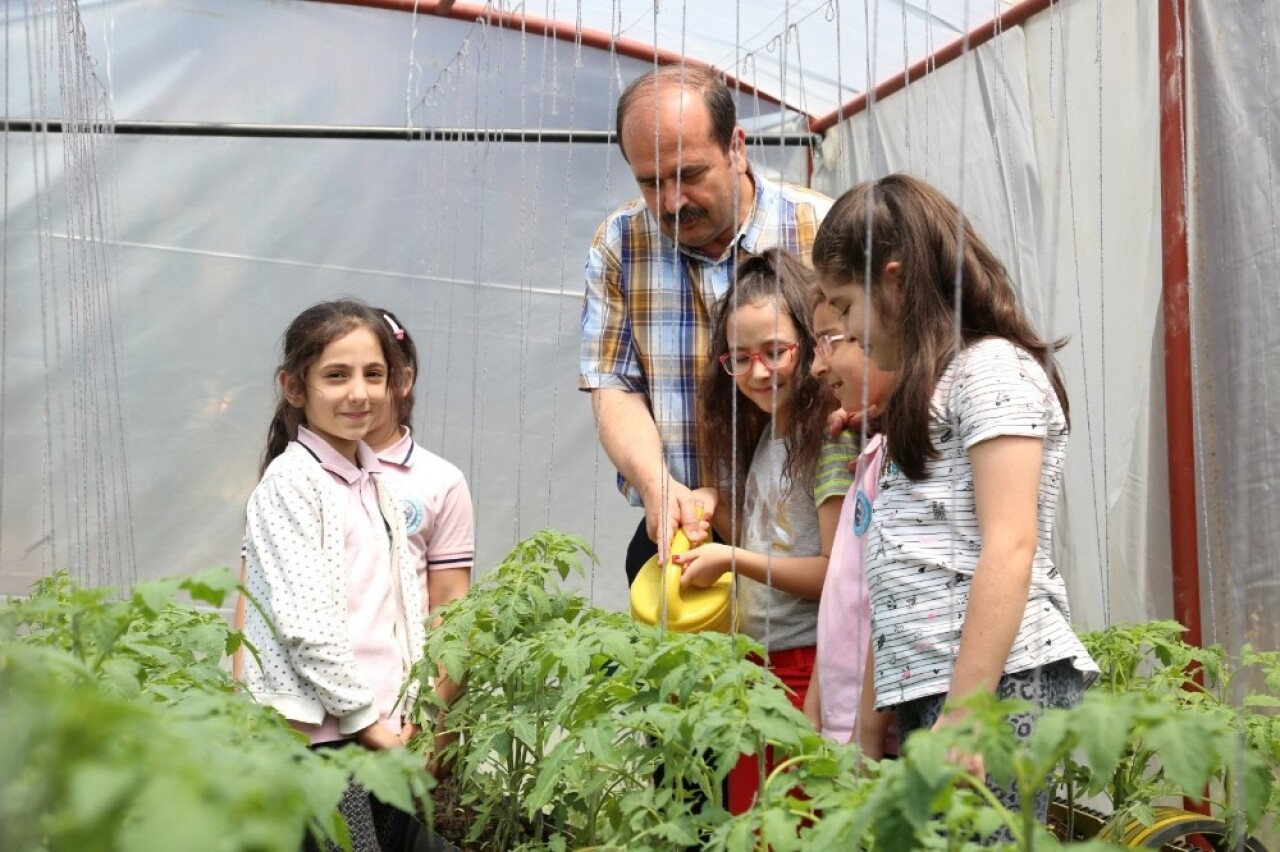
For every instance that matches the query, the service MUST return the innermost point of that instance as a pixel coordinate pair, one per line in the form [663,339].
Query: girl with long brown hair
[762,419]
[964,593]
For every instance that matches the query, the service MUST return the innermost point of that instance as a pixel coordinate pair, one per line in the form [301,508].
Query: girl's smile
[840,361]
[345,388]
[759,329]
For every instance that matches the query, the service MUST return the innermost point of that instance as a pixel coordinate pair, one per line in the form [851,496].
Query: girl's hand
[972,763]
[378,737]
[703,565]
[408,731]
[439,767]
[705,502]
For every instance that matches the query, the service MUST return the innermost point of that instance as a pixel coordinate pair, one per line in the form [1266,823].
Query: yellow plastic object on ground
[687,610]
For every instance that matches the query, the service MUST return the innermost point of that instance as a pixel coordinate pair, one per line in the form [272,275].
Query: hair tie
[395,329]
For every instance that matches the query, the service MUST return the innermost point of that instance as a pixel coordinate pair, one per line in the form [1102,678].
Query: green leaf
[151,823]
[96,789]
[780,829]
[1186,751]
[385,775]
[322,785]
[1102,724]
[122,675]
[154,596]
[211,586]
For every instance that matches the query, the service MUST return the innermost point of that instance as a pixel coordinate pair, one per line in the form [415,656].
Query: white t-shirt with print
[780,518]
[924,542]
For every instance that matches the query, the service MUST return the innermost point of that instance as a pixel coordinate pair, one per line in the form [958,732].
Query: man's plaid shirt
[646,316]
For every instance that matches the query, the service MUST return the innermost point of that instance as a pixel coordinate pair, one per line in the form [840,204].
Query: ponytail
[283,429]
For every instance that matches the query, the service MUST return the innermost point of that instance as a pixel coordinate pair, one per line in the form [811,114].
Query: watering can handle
[671,580]
[672,571]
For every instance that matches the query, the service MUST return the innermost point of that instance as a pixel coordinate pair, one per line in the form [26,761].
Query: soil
[450,819]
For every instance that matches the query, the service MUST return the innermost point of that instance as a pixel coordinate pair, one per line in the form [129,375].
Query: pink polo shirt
[437,509]
[844,613]
[371,598]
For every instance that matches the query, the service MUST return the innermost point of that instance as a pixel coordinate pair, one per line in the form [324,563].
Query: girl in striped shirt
[964,593]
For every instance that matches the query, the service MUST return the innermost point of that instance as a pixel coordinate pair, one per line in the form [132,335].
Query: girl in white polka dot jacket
[326,553]
[964,593]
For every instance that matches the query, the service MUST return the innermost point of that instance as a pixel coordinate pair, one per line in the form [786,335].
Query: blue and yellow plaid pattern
[646,316]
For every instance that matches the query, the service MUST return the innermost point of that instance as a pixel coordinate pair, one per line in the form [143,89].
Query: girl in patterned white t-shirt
[964,593]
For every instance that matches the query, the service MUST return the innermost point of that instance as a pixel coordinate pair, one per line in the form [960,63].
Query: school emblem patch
[861,513]
[414,514]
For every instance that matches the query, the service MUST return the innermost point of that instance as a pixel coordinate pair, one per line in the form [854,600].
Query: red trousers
[793,667]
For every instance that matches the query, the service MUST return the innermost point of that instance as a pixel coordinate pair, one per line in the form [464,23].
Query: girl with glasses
[762,419]
[844,617]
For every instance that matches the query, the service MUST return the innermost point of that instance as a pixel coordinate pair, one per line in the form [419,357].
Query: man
[656,267]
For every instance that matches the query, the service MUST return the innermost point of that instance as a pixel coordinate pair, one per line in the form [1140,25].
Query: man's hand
[676,507]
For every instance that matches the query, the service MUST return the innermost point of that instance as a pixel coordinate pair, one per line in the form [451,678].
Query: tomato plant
[123,731]
[580,728]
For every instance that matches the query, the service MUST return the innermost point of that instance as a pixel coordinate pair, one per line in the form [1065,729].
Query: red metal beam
[1179,399]
[563,30]
[932,62]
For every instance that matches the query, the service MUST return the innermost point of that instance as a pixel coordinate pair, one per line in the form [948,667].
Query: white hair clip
[395,329]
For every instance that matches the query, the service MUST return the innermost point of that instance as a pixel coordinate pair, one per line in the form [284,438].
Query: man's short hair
[715,94]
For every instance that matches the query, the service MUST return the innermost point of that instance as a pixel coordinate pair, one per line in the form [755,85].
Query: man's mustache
[684,216]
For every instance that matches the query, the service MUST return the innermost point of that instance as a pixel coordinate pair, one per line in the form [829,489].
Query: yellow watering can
[687,610]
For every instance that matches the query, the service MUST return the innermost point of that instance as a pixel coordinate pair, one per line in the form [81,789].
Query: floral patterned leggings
[1057,684]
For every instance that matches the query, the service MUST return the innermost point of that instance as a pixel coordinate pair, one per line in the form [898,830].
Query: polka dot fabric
[296,569]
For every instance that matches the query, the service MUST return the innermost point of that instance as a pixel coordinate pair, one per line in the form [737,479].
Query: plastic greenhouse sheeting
[147,278]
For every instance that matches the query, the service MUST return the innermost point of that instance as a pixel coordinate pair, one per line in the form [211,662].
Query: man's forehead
[676,111]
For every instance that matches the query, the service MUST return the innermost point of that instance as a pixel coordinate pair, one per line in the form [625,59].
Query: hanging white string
[415,70]
[447,70]
[1263,374]
[868,268]
[931,66]
[4,256]
[1058,46]
[44,263]
[843,172]
[615,79]
[1102,531]
[957,606]
[906,92]
[734,474]
[769,521]
[529,214]
[494,93]
[564,248]
[658,400]
[86,510]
